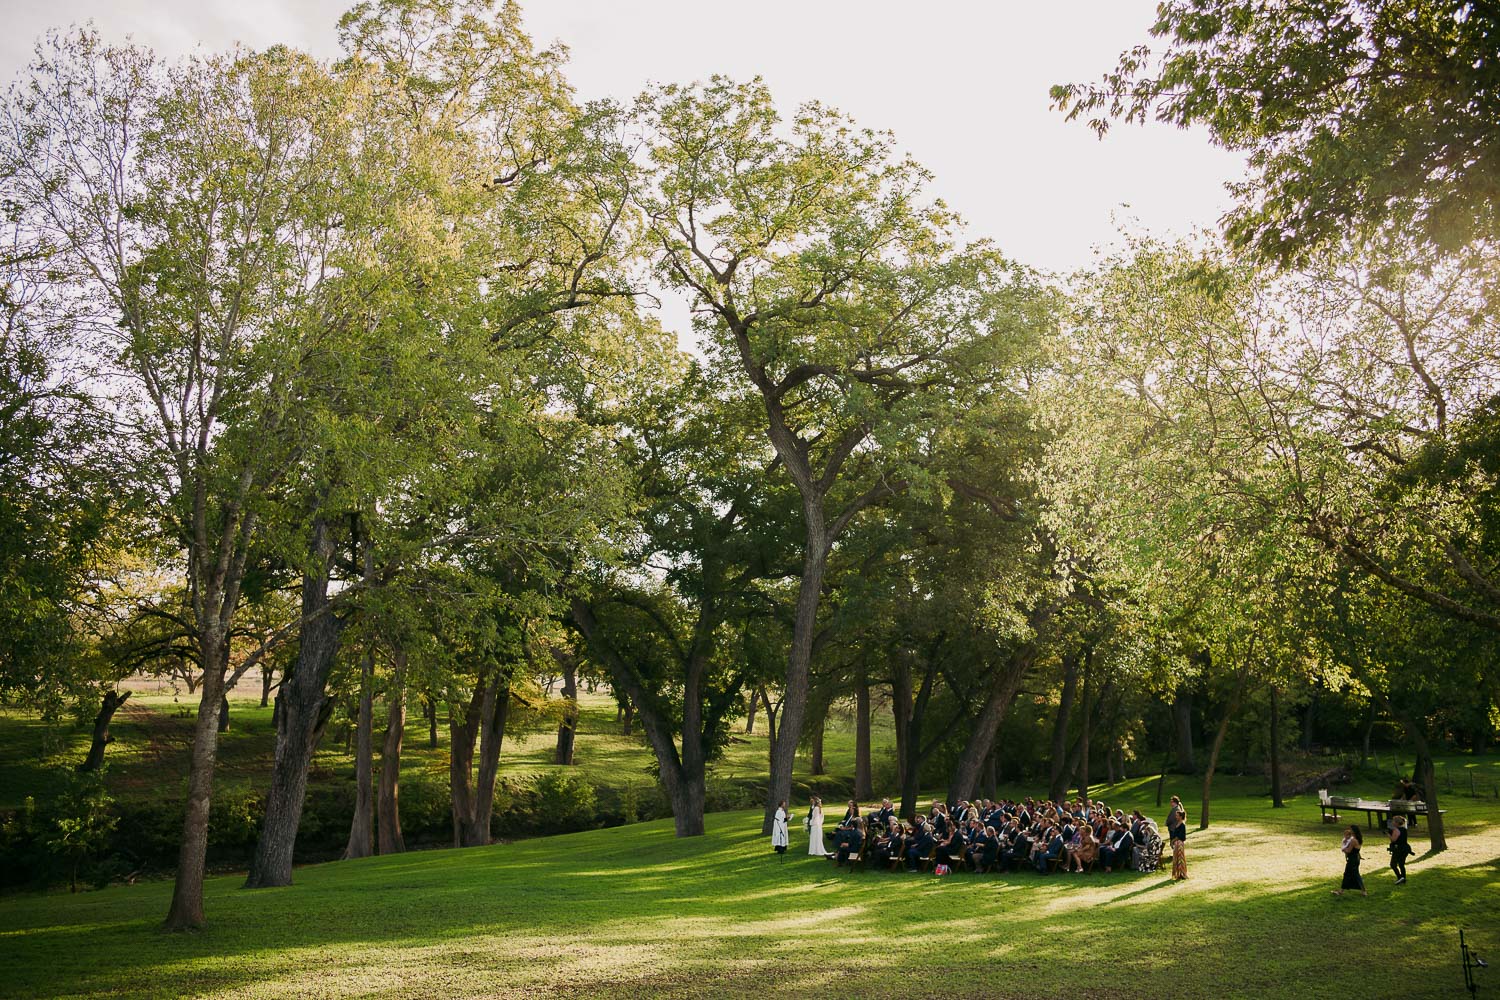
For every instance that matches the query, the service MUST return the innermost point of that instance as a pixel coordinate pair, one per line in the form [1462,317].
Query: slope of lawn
[152,733]
[631,911]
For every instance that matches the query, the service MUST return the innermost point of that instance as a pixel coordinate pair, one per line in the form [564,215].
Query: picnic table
[1374,809]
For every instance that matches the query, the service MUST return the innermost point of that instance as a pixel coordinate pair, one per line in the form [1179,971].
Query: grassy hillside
[152,733]
[633,912]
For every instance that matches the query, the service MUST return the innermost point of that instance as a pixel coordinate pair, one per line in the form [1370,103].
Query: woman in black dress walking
[1400,849]
[1353,841]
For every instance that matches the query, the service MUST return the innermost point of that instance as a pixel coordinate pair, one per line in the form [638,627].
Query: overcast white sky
[962,84]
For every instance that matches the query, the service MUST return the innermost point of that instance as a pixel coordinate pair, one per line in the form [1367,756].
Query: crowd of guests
[1077,835]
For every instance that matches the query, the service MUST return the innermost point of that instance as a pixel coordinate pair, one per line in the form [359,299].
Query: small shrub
[565,801]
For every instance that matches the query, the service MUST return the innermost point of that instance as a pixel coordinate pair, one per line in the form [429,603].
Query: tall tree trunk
[224,712]
[750,716]
[463,731]
[112,702]
[628,726]
[1364,746]
[818,723]
[429,712]
[304,713]
[186,910]
[683,775]
[1088,723]
[901,694]
[864,786]
[1182,718]
[1005,685]
[991,778]
[1276,802]
[362,826]
[1057,785]
[493,715]
[388,818]
[567,729]
[266,674]
[1223,731]
[799,659]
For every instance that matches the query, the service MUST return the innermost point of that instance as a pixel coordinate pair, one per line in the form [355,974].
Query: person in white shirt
[779,839]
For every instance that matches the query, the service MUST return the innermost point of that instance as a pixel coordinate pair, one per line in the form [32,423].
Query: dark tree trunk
[112,702]
[916,752]
[819,725]
[864,786]
[1364,746]
[1276,802]
[463,731]
[1223,731]
[901,694]
[1182,718]
[991,779]
[362,826]
[388,818]
[1057,785]
[567,729]
[1088,723]
[266,674]
[429,712]
[684,774]
[750,717]
[493,715]
[627,728]
[304,713]
[799,658]
[224,712]
[1109,767]
[1005,685]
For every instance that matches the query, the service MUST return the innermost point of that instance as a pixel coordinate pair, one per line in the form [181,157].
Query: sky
[963,85]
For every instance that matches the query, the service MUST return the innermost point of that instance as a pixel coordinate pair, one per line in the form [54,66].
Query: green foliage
[1354,113]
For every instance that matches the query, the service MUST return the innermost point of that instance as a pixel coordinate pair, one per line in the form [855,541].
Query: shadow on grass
[635,911]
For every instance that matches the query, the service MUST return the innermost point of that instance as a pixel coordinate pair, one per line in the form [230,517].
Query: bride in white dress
[815,829]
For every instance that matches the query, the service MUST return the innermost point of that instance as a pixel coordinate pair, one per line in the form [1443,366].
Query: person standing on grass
[1177,834]
[1400,849]
[779,836]
[815,846]
[1353,841]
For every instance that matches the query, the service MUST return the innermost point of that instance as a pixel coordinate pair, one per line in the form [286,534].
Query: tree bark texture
[388,806]
[304,713]
[362,826]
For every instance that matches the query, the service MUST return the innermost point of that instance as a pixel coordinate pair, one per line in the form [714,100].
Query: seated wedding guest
[950,849]
[887,844]
[851,840]
[1052,848]
[1018,852]
[985,849]
[1121,848]
[919,845]
[851,814]
[1086,851]
[885,814]
[940,822]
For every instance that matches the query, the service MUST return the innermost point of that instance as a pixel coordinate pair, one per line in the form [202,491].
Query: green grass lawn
[632,911]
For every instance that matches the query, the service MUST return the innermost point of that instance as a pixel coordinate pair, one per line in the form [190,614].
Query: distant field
[152,732]
[633,912]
